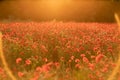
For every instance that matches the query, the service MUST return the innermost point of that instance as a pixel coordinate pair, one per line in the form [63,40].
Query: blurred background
[59,10]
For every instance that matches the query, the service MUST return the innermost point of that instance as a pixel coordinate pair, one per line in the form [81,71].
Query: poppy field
[60,50]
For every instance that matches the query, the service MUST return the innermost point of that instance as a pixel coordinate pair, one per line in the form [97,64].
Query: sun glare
[55,5]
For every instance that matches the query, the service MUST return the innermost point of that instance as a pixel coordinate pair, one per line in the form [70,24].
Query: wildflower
[95,49]
[82,55]
[38,69]
[91,66]
[18,60]
[77,60]
[72,57]
[45,59]
[57,64]
[105,69]
[43,48]
[76,50]
[1,71]
[98,58]
[28,62]
[85,60]
[113,64]
[97,73]
[20,74]
[77,66]
[36,57]
[110,50]
[45,68]
[34,45]
[70,61]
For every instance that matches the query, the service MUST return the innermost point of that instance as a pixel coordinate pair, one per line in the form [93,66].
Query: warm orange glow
[55,6]
[64,10]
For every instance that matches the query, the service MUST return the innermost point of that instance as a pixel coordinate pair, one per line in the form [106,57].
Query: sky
[61,10]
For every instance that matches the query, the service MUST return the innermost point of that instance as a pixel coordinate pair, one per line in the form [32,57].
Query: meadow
[60,50]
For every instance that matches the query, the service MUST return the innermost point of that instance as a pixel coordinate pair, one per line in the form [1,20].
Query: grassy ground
[60,51]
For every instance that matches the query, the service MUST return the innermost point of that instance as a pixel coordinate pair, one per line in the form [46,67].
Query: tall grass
[9,72]
[116,69]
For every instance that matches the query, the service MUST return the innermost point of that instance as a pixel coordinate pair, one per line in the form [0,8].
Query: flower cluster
[56,48]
